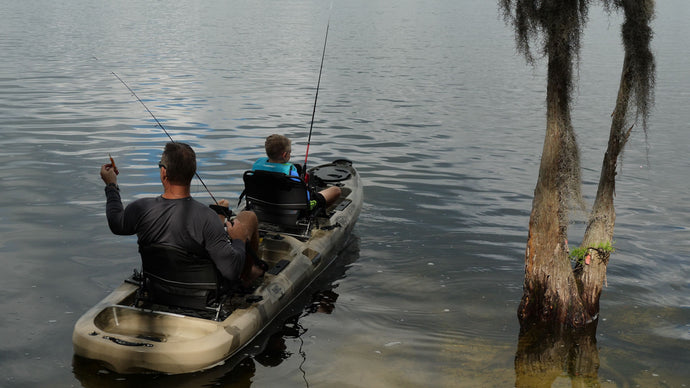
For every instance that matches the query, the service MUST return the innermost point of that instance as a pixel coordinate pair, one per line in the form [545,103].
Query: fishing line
[318,84]
[158,123]
[303,354]
[301,330]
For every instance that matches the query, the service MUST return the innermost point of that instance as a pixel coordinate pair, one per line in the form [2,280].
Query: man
[175,219]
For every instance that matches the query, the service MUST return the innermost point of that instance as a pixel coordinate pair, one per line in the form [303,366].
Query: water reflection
[275,350]
[546,352]
[269,349]
[235,373]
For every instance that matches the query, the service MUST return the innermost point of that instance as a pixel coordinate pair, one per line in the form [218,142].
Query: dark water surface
[445,123]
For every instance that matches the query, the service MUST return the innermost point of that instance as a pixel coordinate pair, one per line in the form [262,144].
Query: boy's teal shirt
[285,168]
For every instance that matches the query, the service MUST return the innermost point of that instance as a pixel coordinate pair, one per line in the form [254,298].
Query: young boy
[278,148]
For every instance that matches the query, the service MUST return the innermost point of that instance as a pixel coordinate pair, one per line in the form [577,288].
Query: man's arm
[114,210]
[228,255]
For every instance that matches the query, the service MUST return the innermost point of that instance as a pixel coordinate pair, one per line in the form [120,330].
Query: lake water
[444,121]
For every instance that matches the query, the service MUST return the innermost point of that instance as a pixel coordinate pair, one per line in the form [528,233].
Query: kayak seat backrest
[174,277]
[276,198]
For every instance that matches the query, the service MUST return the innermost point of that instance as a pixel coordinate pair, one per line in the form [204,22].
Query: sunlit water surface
[441,117]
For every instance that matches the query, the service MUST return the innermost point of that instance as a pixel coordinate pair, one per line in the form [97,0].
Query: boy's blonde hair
[276,145]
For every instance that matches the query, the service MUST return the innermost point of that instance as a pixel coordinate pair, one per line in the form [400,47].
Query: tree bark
[550,289]
[603,216]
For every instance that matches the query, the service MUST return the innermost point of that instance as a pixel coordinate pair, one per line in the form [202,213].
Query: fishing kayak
[127,338]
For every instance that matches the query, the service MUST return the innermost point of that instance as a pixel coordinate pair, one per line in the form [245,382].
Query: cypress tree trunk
[550,291]
[600,226]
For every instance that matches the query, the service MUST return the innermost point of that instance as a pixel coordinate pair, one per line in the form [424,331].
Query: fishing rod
[218,208]
[316,97]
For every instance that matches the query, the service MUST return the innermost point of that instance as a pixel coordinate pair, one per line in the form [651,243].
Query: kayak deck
[129,339]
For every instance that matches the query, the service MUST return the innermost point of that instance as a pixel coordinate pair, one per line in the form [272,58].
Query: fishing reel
[223,211]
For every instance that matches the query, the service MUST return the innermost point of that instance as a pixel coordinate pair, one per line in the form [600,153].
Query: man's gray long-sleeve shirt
[184,223]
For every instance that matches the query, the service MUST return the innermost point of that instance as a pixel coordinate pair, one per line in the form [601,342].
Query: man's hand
[223,203]
[108,174]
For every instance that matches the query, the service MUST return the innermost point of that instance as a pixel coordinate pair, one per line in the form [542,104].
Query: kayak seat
[174,277]
[278,199]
